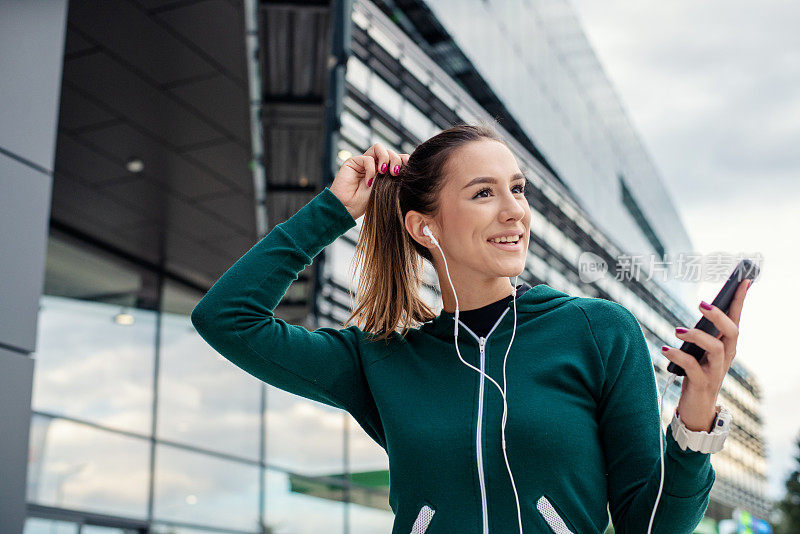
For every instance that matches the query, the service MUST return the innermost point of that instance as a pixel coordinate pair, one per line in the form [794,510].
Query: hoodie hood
[536,300]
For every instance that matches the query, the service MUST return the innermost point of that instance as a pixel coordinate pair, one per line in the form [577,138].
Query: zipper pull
[482,342]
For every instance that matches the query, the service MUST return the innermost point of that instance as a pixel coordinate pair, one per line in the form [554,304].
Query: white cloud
[710,86]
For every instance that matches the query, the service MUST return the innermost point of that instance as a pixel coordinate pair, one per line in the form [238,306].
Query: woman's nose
[512,209]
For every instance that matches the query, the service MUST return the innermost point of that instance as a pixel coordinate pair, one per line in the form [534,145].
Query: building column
[31,57]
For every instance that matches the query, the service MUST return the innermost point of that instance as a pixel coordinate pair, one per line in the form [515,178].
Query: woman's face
[483,197]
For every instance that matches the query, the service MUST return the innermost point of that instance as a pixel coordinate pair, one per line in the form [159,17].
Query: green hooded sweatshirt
[582,426]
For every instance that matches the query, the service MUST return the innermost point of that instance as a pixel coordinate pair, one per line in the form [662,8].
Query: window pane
[416,122]
[355,130]
[304,436]
[365,453]
[93,529]
[202,489]
[386,97]
[169,529]
[300,505]
[95,362]
[368,520]
[77,466]
[159,528]
[385,41]
[35,525]
[358,74]
[204,400]
[414,68]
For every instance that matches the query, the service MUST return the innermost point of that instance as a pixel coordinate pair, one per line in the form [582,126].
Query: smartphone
[745,270]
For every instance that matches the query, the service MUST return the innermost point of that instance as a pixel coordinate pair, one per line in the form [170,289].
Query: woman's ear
[414,223]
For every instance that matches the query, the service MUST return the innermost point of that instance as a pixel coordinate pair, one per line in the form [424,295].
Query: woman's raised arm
[236,316]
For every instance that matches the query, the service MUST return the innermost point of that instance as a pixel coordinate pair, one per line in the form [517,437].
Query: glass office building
[136,424]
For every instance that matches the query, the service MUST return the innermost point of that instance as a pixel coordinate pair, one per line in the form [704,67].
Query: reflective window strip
[423,520]
[551,516]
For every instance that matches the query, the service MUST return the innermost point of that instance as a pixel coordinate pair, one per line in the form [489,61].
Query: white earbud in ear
[427,232]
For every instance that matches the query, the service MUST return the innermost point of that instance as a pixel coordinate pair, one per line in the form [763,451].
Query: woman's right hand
[353,183]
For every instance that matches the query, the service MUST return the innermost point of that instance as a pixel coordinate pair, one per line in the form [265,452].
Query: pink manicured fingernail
[749,283]
[664,348]
[705,305]
[383,168]
[680,330]
[396,170]
[369,183]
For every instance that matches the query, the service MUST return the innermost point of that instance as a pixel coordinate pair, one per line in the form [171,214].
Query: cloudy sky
[714,90]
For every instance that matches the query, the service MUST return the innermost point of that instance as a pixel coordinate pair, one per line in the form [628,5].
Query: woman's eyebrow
[492,179]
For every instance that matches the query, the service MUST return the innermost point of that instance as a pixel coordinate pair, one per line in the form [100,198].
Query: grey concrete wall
[31,56]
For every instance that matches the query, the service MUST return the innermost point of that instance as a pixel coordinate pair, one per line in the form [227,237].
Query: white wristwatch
[702,441]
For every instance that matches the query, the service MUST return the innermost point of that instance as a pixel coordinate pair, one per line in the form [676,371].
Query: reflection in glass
[385,41]
[95,363]
[205,490]
[303,435]
[386,97]
[368,520]
[169,529]
[416,122]
[358,74]
[364,454]
[297,505]
[339,263]
[203,399]
[93,529]
[34,525]
[355,130]
[72,465]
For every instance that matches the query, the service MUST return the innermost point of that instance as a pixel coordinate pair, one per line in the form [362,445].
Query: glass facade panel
[74,465]
[385,42]
[364,453]
[414,68]
[95,362]
[340,264]
[303,435]
[296,504]
[368,520]
[358,74]
[94,529]
[416,122]
[204,400]
[159,528]
[34,525]
[205,490]
[355,130]
[385,96]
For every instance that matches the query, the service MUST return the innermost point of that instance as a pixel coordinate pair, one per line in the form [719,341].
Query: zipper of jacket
[482,344]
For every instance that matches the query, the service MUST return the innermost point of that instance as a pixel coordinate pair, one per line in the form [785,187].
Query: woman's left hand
[702,383]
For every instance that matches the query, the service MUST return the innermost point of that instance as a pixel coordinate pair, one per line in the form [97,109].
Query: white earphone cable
[671,379]
[502,389]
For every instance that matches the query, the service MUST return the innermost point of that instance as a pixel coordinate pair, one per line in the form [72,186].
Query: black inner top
[481,320]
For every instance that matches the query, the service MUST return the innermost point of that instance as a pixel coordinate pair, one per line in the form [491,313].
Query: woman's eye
[520,188]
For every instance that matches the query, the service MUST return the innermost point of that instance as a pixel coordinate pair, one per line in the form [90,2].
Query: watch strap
[702,441]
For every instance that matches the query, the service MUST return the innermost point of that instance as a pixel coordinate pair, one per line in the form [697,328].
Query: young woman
[516,407]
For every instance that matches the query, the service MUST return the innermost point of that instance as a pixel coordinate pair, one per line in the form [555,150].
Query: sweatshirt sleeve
[236,317]
[629,426]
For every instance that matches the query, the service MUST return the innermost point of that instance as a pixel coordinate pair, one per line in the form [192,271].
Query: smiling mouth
[507,245]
